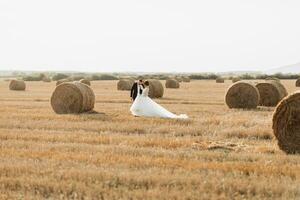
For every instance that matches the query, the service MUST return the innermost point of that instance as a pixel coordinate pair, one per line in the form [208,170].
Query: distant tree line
[279,76]
[161,76]
[244,76]
[204,76]
[34,77]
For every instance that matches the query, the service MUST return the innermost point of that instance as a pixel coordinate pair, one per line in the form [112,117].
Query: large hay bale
[271,93]
[125,84]
[156,89]
[242,95]
[72,97]
[281,88]
[17,85]
[62,81]
[186,79]
[298,82]
[172,83]
[220,80]
[286,123]
[235,79]
[85,81]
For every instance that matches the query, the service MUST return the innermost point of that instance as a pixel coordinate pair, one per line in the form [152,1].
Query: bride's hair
[146,83]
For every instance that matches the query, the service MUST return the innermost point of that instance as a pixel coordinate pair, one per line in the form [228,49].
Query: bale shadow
[258,109]
[94,115]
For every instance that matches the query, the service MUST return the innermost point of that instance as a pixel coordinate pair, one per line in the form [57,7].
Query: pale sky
[152,35]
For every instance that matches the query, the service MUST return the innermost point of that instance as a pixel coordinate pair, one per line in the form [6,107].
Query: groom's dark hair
[141,80]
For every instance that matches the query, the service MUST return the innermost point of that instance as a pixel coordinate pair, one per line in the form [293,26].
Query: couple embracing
[144,106]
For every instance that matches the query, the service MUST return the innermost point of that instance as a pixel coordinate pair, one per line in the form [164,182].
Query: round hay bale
[156,89]
[298,82]
[85,81]
[235,79]
[62,81]
[125,84]
[273,79]
[17,85]
[242,95]
[271,93]
[72,97]
[186,79]
[46,79]
[220,80]
[286,124]
[281,88]
[172,83]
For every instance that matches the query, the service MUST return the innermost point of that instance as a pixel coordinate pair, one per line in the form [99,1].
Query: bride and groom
[144,106]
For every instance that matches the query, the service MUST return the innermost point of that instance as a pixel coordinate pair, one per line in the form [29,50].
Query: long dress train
[145,107]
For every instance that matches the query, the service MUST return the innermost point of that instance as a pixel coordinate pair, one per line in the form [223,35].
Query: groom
[134,90]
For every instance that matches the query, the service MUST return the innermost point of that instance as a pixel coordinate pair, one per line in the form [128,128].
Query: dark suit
[134,91]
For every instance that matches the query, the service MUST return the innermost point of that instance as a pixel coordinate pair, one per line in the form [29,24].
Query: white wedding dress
[144,106]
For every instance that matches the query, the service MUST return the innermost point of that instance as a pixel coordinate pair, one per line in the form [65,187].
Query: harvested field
[219,153]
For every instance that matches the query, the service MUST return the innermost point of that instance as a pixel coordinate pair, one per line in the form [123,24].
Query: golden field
[217,154]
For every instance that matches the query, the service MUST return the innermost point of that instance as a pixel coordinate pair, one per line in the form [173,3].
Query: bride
[145,107]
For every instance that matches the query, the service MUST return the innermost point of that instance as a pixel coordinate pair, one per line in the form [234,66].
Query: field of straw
[217,154]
